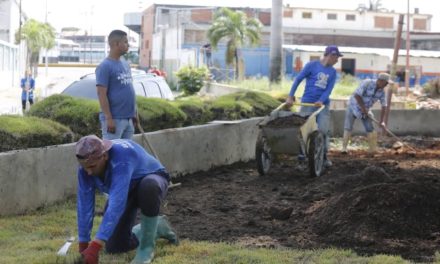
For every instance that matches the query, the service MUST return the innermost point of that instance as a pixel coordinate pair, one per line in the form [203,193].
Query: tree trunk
[276,41]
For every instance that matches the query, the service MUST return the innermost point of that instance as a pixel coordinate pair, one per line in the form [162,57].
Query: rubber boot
[345,139]
[164,230]
[372,142]
[147,240]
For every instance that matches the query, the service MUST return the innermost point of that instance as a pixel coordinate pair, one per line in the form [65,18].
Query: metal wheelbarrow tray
[287,132]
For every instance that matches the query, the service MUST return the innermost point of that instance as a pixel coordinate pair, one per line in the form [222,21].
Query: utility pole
[408,43]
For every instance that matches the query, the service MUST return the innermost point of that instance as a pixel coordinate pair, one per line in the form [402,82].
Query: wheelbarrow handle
[281,106]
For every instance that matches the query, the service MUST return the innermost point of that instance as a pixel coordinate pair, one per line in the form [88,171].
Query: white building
[12,62]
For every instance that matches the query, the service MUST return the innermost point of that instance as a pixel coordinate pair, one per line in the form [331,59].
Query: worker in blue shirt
[320,78]
[363,98]
[132,179]
[27,85]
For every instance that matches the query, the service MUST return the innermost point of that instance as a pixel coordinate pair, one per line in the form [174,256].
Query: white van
[147,85]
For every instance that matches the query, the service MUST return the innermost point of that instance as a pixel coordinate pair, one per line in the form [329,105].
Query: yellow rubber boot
[372,142]
[345,139]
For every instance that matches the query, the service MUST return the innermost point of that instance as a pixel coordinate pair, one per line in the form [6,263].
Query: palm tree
[276,40]
[37,36]
[237,29]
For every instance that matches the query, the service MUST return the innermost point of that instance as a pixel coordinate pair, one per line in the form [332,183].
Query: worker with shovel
[132,179]
[369,92]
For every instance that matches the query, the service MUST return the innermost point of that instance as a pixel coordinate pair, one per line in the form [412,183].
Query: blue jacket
[320,81]
[128,163]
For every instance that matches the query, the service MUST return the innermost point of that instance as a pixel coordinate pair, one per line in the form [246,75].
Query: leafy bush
[81,115]
[155,114]
[191,79]
[432,88]
[17,132]
[197,111]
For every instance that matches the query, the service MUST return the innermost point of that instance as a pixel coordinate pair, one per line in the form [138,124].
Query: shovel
[147,143]
[63,250]
[392,134]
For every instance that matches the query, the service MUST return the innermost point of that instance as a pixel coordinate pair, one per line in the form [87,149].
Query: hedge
[197,111]
[17,132]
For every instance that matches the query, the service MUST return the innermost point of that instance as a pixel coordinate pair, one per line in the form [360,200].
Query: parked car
[147,85]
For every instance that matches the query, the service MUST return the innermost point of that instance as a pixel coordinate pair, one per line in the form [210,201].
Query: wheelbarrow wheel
[263,155]
[315,153]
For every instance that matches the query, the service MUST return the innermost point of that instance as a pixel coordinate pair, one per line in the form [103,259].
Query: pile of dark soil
[287,121]
[389,203]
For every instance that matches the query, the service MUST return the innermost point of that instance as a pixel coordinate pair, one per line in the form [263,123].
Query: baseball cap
[91,147]
[385,77]
[332,50]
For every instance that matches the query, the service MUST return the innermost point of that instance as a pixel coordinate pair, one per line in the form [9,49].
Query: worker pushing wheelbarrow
[288,132]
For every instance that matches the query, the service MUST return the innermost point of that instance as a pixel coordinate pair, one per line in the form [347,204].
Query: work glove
[91,253]
[82,246]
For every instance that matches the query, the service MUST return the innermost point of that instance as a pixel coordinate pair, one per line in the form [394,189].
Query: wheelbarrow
[288,132]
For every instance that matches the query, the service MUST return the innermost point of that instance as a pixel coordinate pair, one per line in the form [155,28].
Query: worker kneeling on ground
[359,104]
[132,179]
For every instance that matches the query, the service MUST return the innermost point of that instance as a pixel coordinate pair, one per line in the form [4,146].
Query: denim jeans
[350,118]
[323,121]
[124,128]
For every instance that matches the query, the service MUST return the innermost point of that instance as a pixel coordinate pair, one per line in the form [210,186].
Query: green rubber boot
[147,240]
[164,230]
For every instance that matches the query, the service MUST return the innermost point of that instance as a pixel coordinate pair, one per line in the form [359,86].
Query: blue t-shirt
[320,81]
[115,75]
[128,163]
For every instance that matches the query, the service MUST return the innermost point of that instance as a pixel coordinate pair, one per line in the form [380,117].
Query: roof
[358,50]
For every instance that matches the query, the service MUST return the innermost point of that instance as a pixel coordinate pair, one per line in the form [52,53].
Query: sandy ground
[389,203]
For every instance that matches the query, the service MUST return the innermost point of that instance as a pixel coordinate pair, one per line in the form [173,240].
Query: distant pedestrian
[320,78]
[369,92]
[27,85]
[115,90]
[207,52]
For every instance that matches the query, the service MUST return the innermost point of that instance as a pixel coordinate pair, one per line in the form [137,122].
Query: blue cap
[332,50]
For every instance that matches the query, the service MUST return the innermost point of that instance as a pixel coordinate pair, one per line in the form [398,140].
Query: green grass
[37,236]
[343,88]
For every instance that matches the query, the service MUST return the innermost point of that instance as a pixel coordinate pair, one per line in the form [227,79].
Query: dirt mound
[399,211]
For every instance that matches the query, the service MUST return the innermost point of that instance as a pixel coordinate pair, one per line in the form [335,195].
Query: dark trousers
[23,103]
[147,195]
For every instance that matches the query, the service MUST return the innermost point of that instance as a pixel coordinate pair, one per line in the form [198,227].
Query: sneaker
[327,163]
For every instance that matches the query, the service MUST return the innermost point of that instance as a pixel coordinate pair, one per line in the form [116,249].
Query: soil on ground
[387,203]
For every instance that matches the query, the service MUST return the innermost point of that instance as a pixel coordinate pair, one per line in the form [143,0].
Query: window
[332,16]
[383,22]
[350,17]
[419,24]
[307,15]
[313,58]
[288,13]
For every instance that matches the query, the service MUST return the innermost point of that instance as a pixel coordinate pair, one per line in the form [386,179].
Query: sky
[102,16]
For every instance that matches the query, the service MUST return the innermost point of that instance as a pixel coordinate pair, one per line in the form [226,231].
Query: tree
[37,36]
[237,29]
[276,40]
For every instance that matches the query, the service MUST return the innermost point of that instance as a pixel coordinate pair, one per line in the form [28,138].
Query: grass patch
[344,87]
[36,237]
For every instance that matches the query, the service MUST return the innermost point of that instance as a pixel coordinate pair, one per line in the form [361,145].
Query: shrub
[81,115]
[243,105]
[197,111]
[156,114]
[432,88]
[191,79]
[17,132]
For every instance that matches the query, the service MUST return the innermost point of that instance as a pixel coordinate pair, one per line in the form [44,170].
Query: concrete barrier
[36,177]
